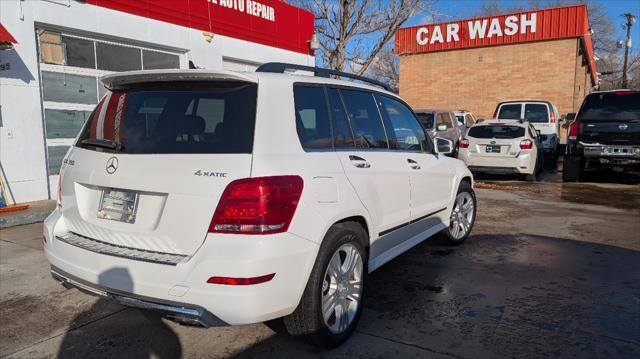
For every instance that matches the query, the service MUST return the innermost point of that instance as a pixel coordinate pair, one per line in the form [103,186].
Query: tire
[533,177]
[571,169]
[308,320]
[449,235]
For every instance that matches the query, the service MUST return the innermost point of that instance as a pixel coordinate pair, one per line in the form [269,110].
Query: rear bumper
[522,164]
[184,285]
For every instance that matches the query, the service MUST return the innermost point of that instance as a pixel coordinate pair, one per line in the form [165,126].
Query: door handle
[413,164]
[359,162]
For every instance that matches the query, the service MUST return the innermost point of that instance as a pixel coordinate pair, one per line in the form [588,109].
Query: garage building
[473,64]
[49,78]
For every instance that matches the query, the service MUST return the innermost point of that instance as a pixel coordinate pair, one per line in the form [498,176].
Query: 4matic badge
[210,174]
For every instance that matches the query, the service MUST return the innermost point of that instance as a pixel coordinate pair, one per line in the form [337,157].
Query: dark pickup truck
[605,134]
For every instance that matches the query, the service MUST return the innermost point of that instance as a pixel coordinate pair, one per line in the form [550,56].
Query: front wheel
[331,304]
[463,215]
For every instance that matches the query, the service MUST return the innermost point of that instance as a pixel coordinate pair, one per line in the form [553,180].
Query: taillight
[552,117]
[526,144]
[622,93]
[464,143]
[59,194]
[495,113]
[261,205]
[573,130]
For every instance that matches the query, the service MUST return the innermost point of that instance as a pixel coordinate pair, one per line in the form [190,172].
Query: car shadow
[125,333]
[496,296]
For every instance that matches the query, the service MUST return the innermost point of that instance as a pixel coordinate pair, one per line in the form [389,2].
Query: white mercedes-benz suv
[218,197]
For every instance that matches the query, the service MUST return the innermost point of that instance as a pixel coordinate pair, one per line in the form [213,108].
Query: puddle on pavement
[610,195]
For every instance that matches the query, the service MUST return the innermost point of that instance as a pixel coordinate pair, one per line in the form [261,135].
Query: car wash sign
[537,25]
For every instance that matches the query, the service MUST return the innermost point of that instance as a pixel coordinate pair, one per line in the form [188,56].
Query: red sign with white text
[268,22]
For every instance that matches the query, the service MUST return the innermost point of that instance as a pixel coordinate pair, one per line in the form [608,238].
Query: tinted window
[79,52]
[159,60]
[609,106]
[59,87]
[460,119]
[342,135]
[512,112]
[365,119]
[496,131]
[426,119]
[312,119]
[117,58]
[536,113]
[178,118]
[407,133]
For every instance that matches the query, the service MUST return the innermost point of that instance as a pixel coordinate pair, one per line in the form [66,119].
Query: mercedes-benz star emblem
[112,165]
[623,127]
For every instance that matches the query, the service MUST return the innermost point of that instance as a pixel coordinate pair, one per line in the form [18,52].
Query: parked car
[218,197]
[502,147]
[604,135]
[441,123]
[543,115]
[465,119]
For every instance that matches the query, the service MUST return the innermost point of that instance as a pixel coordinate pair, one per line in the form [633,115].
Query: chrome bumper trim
[97,246]
[178,312]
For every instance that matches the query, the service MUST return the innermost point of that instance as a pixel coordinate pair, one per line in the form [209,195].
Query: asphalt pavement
[551,270]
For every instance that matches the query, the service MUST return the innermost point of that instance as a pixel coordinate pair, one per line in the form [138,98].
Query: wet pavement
[551,270]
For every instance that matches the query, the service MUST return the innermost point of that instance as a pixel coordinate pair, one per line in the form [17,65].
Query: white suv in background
[544,117]
[219,197]
[502,147]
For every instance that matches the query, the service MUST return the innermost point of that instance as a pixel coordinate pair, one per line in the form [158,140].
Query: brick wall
[477,79]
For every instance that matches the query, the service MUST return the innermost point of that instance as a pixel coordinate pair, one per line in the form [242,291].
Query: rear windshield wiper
[103,143]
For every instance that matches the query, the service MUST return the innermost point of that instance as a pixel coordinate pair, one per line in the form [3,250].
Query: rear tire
[571,169]
[463,216]
[335,289]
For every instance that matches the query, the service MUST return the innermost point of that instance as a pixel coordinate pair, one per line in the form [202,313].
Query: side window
[468,120]
[342,135]
[365,119]
[442,118]
[510,112]
[408,134]
[312,118]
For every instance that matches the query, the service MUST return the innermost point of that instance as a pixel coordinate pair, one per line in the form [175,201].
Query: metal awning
[6,39]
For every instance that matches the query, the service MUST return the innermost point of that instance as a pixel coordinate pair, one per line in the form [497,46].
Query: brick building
[473,64]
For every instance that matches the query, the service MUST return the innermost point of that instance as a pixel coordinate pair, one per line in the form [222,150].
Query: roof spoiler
[112,81]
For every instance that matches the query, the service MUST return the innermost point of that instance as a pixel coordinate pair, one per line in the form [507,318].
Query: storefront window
[159,60]
[64,123]
[80,52]
[55,156]
[61,87]
[117,58]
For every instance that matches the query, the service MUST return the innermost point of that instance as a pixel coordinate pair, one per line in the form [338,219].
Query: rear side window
[312,118]
[496,132]
[460,119]
[510,112]
[175,118]
[407,132]
[611,106]
[365,119]
[468,120]
[342,135]
[536,113]
[426,119]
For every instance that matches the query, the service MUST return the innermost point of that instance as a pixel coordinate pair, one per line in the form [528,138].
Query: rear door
[495,140]
[174,148]
[379,176]
[611,118]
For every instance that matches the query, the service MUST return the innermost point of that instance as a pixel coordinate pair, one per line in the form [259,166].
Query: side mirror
[441,127]
[570,116]
[443,146]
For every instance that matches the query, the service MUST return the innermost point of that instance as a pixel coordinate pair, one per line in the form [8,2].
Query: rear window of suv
[174,118]
[621,105]
[496,131]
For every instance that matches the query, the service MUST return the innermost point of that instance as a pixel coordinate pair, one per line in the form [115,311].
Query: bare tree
[353,33]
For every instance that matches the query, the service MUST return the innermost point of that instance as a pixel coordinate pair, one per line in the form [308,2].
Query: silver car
[441,123]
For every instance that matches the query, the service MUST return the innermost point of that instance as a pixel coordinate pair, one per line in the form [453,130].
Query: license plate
[118,205]
[492,149]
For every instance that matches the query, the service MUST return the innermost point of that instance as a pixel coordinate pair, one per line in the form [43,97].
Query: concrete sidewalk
[36,212]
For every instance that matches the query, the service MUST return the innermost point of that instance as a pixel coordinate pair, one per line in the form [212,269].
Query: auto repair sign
[538,25]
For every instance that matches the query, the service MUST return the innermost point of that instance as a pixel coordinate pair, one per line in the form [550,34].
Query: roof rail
[281,67]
